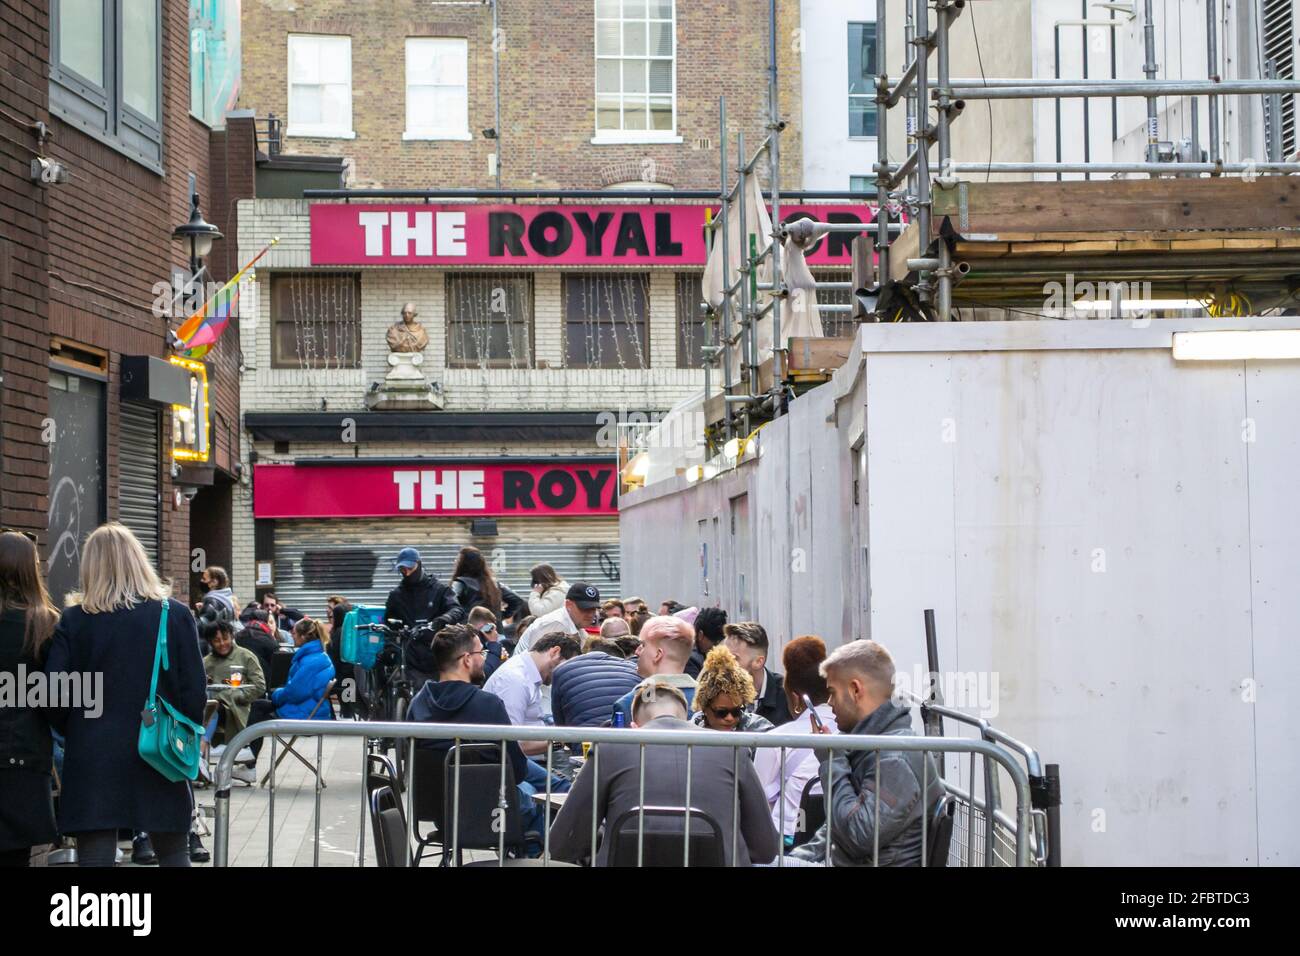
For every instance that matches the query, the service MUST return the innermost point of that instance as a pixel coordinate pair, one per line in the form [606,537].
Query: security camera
[188,492]
[47,172]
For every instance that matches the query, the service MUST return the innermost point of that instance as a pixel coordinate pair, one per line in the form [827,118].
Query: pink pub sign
[432,234]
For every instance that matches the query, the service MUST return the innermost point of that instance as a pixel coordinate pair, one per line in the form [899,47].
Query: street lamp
[199,233]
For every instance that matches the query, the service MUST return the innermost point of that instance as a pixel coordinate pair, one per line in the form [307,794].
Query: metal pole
[909,34]
[1149,68]
[1056,59]
[728,384]
[1127,88]
[944,9]
[315,856]
[1168,169]
[496,84]
[923,39]
[1273,104]
[1087,132]
[745,329]
[774,183]
[882,154]
[270,809]
[546,813]
[365,803]
[1212,67]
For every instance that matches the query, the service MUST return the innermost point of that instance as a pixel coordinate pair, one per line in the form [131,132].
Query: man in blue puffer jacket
[310,672]
[584,689]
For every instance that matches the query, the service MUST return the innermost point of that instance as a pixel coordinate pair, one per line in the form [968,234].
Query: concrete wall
[1108,539]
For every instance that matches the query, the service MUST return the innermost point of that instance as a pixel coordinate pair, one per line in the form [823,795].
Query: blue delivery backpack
[361,646]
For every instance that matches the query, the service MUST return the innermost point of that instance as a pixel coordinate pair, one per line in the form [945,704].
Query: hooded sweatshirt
[460,702]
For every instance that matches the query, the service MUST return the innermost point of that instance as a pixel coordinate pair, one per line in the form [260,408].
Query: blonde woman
[109,633]
[724,693]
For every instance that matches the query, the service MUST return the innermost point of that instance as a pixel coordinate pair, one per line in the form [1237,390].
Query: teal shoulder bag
[169,741]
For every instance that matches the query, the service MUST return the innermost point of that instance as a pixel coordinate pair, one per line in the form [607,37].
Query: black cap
[584,595]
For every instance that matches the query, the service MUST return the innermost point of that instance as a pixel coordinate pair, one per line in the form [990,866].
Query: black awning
[492,427]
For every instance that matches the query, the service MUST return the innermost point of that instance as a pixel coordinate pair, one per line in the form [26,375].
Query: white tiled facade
[384,290]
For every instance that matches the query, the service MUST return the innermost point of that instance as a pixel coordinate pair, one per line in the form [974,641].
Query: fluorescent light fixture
[732,448]
[1229,346]
[1138,305]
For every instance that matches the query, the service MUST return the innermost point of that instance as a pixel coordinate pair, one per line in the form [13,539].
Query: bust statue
[407,335]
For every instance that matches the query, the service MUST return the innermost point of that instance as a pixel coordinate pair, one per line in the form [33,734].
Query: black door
[76,475]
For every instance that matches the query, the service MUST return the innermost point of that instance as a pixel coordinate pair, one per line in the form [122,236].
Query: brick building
[88,388]
[545,315]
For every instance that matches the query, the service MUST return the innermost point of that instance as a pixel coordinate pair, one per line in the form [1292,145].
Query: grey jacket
[618,790]
[853,798]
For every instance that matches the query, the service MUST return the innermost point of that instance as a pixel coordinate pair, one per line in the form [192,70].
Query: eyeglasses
[26,534]
[723,712]
[481,652]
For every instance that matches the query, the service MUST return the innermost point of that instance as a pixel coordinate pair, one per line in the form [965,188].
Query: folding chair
[389,822]
[479,826]
[428,796]
[812,811]
[323,702]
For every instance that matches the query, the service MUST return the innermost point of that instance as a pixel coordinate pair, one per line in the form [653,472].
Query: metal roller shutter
[314,559]
[139,483]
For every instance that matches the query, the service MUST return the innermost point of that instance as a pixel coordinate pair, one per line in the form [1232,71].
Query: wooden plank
[1100,245]
[980,250]
[1143,245]
[814,354]
[1036,248]
[1249,243]
[1194,245]
[1082,206]
[903,248]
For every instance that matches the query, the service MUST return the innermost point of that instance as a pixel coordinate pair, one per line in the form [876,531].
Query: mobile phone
[812,713]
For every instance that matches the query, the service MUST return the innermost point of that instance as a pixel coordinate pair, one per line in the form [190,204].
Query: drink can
[620,720]
[586,749]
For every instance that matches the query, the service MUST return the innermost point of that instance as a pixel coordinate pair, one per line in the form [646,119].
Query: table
[557,799]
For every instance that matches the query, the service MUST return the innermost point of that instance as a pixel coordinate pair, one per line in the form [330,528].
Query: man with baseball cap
[579,611]
[421,597]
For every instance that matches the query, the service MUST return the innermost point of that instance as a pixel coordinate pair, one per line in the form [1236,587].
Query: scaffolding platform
[1186,237]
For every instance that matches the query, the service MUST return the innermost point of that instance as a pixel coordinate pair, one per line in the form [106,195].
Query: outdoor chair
[664,846]
[480,791]
[939,836]
[389,823]
[812,811]
[323,702]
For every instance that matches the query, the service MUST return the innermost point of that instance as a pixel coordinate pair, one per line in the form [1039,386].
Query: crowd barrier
[985,832]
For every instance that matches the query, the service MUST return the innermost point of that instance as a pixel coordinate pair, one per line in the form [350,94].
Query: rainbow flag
[200,331]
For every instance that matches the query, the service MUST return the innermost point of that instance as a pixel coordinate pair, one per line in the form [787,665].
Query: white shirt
[519,685]
[555,620]
[801,766]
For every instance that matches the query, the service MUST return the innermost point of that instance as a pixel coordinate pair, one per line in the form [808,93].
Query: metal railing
[1017,840]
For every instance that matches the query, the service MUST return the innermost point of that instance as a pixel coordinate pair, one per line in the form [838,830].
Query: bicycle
[394,689]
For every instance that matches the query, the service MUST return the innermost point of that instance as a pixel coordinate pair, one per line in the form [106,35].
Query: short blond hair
[676,636]
[115,572]
[866,659]
[722,674]
[656,694]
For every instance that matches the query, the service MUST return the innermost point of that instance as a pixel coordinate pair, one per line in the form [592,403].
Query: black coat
[106,786]
[422,597]
[469,593]
[773,704]
[25,741]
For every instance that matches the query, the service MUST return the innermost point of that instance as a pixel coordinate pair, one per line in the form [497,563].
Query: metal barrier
[1016,841]
[1045,796]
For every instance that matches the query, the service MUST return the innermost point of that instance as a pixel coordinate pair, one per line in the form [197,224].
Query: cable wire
[988,172]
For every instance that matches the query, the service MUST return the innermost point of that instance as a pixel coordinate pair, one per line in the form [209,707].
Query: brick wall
[110,243]
[24,261]
[547,68]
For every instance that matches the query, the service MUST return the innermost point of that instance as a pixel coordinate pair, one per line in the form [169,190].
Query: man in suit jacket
[748,641]
[659,705]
